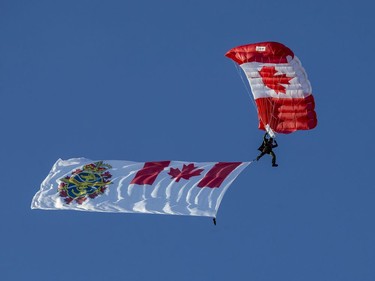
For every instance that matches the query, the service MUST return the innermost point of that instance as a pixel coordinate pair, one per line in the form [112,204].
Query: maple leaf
[274,81]
[187,172]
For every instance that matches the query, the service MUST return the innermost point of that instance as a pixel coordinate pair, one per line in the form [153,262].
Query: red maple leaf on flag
[187,172]
[274,81]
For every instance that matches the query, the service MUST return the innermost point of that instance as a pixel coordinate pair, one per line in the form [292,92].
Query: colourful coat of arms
[89,182]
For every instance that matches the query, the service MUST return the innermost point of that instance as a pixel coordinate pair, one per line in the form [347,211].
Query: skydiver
[266,148]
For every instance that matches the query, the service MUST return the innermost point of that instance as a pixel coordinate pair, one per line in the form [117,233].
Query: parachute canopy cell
[279,85]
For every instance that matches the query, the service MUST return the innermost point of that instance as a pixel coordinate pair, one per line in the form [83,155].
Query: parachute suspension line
[246,84]
[271,114]
[248,90]
[273,105]
[271,118]
[247,87]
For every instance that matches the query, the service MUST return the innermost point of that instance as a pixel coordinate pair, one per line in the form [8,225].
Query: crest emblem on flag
[89,182]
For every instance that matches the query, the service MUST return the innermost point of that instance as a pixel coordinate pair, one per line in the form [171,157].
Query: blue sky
[148,80]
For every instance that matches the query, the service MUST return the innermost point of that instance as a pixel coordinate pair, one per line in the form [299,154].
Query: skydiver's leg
[260,155]
[273,158]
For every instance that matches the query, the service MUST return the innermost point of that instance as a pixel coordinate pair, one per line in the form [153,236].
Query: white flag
[163,187]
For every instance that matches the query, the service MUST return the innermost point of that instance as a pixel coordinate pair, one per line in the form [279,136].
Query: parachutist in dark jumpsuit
[266,148]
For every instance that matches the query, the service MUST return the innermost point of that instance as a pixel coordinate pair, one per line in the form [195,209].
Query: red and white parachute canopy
[280,87]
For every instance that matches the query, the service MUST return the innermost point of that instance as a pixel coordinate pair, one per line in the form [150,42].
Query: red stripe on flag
[217,174]
[285,115]
[149,172]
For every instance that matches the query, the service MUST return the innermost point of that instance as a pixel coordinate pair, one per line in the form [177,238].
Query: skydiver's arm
[275,145]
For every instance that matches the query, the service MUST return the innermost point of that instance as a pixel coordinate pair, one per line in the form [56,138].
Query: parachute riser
[270,132]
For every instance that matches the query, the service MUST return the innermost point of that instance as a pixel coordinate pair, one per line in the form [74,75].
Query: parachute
[280,87]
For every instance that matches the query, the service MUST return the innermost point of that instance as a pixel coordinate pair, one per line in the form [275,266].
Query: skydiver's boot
[273,159]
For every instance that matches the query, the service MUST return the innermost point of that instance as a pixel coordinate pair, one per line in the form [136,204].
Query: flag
[280,86]
[159,187]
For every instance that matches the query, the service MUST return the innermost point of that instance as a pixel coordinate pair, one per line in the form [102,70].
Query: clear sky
[148,80]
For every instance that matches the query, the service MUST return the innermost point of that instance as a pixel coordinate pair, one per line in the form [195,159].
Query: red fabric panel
[217,174]
[266,52]
[286,115]
[149,172]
